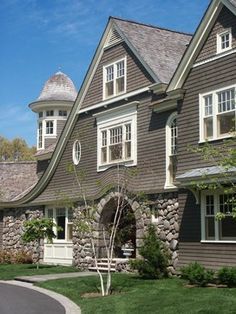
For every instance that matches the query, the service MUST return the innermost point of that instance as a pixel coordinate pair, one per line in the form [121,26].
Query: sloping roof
[204,173]
[47,150]
[233,2]
[58,87]
[16,178]
[160,48]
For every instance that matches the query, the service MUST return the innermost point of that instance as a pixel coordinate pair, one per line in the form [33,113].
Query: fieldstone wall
[162,211]
[13,220]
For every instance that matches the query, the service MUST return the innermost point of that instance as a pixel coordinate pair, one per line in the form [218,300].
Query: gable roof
[198,40]
[132,33]
[161,49]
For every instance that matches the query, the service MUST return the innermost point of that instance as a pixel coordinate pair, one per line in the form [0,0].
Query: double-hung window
[224,41]
[114,79]
[117,136]
[49,127]
[213,229]
[217,114]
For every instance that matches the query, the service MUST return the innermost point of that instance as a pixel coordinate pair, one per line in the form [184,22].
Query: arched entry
[126,231]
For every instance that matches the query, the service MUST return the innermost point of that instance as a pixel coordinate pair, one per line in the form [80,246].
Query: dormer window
[114,79]
[224,41]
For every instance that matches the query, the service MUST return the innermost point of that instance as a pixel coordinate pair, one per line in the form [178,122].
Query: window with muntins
[49,127]
[117,137]
[217,114]
[40,135]
[224,41]
[63,218]
[114,78]
[213,229]
[76,152]
[171,150]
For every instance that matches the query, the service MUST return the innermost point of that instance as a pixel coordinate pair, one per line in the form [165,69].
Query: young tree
[36,230]
[84,224]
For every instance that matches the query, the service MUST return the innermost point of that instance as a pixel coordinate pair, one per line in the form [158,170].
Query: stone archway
[105,215]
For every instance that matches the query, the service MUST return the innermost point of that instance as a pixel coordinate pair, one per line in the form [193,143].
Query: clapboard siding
[137,76]
[213,75]
[150,175]
[226,19]
[211,255]
[60,126]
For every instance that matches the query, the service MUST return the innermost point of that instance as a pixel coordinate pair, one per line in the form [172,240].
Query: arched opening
[126,231]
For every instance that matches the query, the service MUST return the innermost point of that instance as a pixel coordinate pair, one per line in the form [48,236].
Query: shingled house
[141,81]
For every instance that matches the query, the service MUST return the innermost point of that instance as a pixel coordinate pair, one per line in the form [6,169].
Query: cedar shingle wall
[211,255]
[225,20]
[1,228]
[137,77]
[150,176]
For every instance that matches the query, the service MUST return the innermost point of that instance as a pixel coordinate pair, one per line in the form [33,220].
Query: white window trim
[218,41]
[54,127]
[168,183]
[114,85]
[54,221]
[75,158]
[216,209]
[42,147]
[215,136]
[112,118]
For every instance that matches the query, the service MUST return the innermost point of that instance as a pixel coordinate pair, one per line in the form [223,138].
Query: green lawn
[10,271]
[167,296]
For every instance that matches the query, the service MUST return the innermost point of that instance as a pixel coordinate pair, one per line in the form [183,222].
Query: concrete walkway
[41,278]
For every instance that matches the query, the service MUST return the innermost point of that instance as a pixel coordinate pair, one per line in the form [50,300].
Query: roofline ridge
[150,25]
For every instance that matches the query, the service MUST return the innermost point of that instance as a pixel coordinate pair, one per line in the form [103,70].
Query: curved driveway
[20,300]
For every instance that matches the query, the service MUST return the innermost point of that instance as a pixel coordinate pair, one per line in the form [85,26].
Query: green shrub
[196,274]
[227,276]
[155,258]
[15,257]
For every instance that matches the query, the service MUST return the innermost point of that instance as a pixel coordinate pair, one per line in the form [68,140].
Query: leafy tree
[36,230]
[15,150]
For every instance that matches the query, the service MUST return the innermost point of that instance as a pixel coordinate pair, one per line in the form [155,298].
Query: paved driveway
[20,300]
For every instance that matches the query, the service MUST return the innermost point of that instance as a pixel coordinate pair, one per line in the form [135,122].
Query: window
[217,114]
[224,41]
[40,114]
[49,113]
[40,135]
[62,217]
[76,152]
[117,139]
[213,229]
[171,150]
[49,127]
[114,77]
[62,113]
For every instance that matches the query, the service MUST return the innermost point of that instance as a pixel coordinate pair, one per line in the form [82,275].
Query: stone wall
[13,220]
[161,210]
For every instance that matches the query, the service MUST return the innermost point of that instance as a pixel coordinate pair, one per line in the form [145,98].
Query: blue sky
[38,37]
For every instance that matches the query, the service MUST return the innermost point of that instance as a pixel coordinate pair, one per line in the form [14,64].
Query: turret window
[49,127]
[62,113]
[49,113]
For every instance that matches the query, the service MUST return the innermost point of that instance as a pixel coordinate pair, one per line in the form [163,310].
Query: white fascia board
[45,104]
[195,44]
[114,100]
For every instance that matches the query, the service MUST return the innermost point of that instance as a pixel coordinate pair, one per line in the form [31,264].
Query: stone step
[102,269]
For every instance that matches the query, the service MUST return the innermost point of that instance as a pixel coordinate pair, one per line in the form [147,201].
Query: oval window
[76,154]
